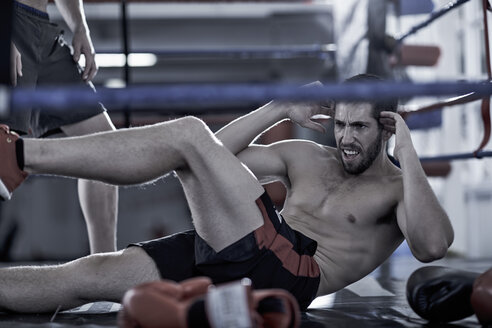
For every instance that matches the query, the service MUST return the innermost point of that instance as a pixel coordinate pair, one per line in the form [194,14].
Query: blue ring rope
[64,98]
[206,95]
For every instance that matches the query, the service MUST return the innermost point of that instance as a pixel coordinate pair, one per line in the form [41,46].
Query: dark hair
[377,105]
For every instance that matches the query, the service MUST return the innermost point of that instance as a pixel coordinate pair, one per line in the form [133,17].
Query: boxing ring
[177,99]
[378,300]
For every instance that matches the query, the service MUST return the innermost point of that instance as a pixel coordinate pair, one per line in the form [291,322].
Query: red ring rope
[486,101]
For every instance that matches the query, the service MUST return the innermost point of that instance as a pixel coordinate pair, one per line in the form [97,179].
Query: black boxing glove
[441,294]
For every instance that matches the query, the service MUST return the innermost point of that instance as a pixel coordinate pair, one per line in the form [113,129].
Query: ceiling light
[118,60]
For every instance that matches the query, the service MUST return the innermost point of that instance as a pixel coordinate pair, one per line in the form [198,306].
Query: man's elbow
[434,246]
[433,252]
[431,255]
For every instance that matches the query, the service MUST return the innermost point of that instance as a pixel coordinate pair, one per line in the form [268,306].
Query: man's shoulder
[299,149]
[305,145]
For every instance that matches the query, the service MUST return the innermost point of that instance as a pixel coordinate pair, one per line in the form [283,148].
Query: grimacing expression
[358,135]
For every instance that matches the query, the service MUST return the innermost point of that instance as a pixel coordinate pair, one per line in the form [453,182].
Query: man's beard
[370,155]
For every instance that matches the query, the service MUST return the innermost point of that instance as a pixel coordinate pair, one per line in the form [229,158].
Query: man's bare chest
[345,202]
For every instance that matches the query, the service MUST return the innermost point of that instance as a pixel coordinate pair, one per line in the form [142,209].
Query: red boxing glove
[198,303]
[160,303]
[481,298]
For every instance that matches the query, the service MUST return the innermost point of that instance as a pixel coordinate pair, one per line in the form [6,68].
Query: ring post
[6,8]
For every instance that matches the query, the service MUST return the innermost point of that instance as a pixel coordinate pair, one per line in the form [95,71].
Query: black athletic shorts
[46,61]
[272,256]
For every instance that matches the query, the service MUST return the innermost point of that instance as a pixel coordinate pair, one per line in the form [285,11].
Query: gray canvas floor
[376,301]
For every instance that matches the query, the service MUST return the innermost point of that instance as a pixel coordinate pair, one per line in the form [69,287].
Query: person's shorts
[46,60]
[272,256]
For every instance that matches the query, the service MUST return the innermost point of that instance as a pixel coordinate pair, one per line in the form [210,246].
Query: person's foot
[11,176]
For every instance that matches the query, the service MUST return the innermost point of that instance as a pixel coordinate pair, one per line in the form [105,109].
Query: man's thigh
[221,193]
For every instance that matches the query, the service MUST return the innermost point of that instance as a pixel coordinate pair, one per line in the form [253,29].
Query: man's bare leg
[93,278]
[221,192]
[99,201]
[122,157]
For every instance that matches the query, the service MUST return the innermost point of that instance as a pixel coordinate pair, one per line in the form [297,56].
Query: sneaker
[10,174]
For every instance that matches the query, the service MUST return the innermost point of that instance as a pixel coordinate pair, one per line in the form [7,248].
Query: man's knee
[102,263]
[93,266]
[194,127]
[109,275]
[193,133]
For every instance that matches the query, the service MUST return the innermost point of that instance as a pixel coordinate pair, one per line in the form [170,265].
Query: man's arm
[264,161]
[74,15]
[421,218]
[240,133]
[244,130]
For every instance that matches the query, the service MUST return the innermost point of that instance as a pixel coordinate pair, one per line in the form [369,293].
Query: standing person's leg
[99,201]
[25,25]
[92,278]
[26,40]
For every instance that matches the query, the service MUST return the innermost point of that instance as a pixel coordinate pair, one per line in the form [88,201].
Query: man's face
[358,136]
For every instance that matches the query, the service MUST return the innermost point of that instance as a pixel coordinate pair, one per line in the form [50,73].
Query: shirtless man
[40,56]
[350,201]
